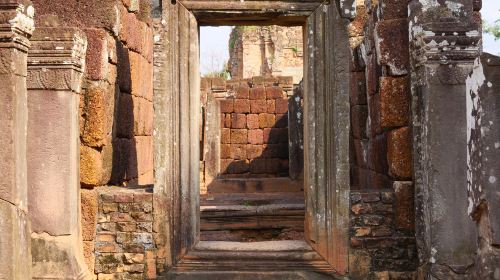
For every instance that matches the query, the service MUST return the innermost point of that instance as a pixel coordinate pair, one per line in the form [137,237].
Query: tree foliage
[493,29]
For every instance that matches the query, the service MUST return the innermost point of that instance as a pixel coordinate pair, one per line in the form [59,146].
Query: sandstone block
[238,120]
[281,121]
[394,9]
[242,92]
[258,106]
[266,120]
[238,151]
[374,127]
[392,45]
[226,120]
[372,74]
[123,67]
[124,197]
[96,59]
[255,136]
[254,151]
[225,151]
[98,114]
[238,167]
[95,166]
[252,121]
[394,102]
[271,106]
[281,106]
[239,136]
[227,106]
[257,92]
[258,166]
[399,154]
[241,106]
[274,92]
[226,136]
[131,31]
[377,154]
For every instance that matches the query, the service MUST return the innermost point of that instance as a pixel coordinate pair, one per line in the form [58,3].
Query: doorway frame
[326,137]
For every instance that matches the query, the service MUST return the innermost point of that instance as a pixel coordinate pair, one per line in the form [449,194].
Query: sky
[214,40]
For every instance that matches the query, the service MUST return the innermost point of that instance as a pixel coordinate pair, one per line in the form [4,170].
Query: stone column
[55,69]
[444,41]
[16,26]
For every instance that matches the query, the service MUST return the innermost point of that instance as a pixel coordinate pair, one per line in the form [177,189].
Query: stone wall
[382,233]
[380,96]
[266,51]
[116,120]
[254,126]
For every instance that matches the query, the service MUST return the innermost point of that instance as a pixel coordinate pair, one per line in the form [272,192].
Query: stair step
[253,185]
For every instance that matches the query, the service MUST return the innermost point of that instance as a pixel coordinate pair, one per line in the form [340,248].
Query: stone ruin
[94,137]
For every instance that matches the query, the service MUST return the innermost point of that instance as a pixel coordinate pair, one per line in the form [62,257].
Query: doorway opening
[251,134]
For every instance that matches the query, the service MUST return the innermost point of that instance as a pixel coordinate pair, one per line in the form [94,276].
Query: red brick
[242,92]
[281,106]
[258,166]
[254,151]
[241,106]
[258,106]
[252,121]
[257,92]
[281,121]
[394,102]
[225,136]
[227,106]
[399,153]
[238,121]
[271,106]
[225,151]
[274,92]
[255,136]
[266,120]
[143,197]
[226,120]
[239,136]
[238,151]
[392,45]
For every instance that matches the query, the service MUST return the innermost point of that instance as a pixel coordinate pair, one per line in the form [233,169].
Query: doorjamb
[326,133]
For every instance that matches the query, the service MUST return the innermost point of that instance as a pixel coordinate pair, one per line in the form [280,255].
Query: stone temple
[356,139]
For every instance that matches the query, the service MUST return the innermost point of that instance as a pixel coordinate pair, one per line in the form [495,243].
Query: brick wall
[124,246]
[254,133]
[382,234]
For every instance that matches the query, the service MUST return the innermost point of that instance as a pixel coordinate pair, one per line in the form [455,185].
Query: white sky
[214,40]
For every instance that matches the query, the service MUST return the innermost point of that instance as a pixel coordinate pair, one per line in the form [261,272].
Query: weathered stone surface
[404,206]
[96,166]
[98,114]
[392,45]
[399,155]
[89,210]
[394,102]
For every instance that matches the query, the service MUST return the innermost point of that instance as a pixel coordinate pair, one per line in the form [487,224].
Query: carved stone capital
[16,23]
[56,59]
[443,32]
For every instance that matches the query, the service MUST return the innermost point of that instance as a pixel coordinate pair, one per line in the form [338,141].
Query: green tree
[493,29]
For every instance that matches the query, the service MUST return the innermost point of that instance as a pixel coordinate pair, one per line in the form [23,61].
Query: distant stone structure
[266,51]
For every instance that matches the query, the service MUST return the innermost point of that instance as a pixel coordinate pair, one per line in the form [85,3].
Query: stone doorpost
[55,69]
[444,42]
[16,26]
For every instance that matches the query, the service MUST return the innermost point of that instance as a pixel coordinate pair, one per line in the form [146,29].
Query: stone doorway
[326,145]
[251,177]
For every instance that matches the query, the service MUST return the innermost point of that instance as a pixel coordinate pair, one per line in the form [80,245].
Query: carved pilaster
[16,25]
[445,38]
[55,69]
